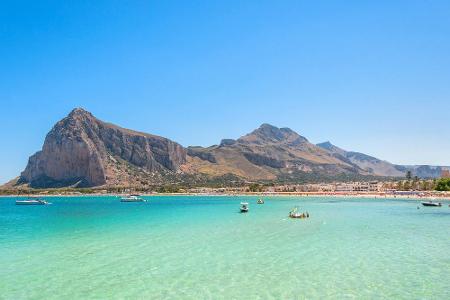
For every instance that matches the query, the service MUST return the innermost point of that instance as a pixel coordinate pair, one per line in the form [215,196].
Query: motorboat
[295,214]
[260,201]
[132,198]
[244,207]
[431,203]
[32,201]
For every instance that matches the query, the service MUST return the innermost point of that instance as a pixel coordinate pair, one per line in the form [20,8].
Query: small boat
[32,201]
[431,203]
[260,201]
[132,198]
[295,214]
[244,207]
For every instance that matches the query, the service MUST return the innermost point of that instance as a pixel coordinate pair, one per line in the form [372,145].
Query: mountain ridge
[378,167]
[81,150]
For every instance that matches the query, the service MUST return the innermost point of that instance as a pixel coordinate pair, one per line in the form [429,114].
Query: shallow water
[201,247]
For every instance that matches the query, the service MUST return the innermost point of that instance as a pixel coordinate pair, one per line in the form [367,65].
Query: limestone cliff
[84,151]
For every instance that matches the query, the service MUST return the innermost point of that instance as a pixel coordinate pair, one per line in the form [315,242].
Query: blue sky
[371,76]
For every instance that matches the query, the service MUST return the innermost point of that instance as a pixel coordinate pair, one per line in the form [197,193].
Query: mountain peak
[267,126]
[79,111]
[78,115]
[326,145]
[332,148]
[267,133]
[75,120]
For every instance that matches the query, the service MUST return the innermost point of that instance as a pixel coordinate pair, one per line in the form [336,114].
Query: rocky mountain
[365,162]
[424,171]
[378,167]
[268,153]
[81,150]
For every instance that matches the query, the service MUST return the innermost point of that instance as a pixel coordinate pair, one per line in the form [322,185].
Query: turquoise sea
[192,247]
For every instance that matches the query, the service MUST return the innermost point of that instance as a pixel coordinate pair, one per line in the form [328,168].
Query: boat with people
[244,207]
[32,201]
[260,201]
[295,214]
[431,203]
[132,198]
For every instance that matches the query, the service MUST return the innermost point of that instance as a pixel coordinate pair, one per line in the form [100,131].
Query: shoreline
[426,196]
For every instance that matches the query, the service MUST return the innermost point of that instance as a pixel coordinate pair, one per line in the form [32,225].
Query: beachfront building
[344,187]
[364,187]
[327,188]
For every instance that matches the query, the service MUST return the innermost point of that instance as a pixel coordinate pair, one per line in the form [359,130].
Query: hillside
[266,154]
[378,167]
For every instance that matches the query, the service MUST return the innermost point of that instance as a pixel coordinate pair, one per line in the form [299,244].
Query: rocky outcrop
[268,134]
[201,153]
[84,151]
[227,142]
[261,160]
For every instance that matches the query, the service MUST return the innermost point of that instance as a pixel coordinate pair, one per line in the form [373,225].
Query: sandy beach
[432,196]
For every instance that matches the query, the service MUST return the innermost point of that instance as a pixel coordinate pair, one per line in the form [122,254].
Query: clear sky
[370,76]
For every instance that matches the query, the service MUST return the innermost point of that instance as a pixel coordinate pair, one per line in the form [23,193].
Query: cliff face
[84,151]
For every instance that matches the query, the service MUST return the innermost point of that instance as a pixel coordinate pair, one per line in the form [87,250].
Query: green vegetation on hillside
[443,184]
[255,188]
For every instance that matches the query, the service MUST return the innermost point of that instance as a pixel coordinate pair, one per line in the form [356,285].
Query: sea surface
[193,247]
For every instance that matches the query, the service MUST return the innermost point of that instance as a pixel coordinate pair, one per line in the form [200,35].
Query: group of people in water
[296,215]
[304,215]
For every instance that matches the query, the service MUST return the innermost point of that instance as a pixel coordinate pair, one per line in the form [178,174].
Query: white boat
[244,207]
[260,201]
[431,203]
[132,198]
[32,201]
